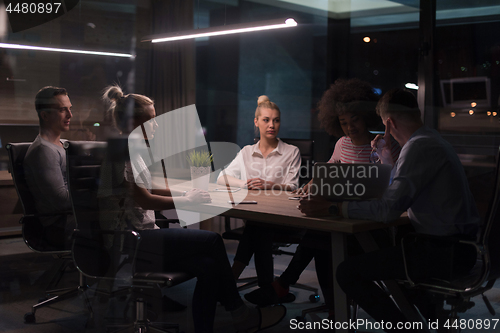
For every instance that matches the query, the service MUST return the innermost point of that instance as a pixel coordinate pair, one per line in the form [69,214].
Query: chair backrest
[17,152]
[32,227]
[306,148]
[83,163]
[491,229]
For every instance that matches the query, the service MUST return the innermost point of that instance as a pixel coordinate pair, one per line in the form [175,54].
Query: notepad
[230,190]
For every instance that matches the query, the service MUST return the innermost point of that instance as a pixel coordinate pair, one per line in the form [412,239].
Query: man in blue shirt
[429,183]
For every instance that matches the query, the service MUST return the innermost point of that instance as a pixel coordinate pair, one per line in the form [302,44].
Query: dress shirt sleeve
[235,168]
[414,171]
[292,177]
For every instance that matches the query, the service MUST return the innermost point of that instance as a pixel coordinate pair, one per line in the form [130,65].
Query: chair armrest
[449,239]
[38,215]
[162,221]
[437,240]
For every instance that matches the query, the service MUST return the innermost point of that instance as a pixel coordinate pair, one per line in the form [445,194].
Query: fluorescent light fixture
[411,86]
[50,49]
[222,30]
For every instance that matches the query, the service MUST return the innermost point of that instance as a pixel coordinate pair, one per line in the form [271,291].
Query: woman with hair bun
[346,110]
[268,164]
[199,252]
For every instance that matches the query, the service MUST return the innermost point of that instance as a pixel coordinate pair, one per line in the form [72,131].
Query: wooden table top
[275,207]
[5,178]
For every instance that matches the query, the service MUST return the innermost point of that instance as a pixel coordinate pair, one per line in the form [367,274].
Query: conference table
[275,207]
[10,207]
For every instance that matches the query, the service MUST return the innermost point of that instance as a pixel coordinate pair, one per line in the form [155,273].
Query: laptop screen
[357,181]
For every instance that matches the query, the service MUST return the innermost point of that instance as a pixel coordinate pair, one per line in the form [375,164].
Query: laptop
[357,181]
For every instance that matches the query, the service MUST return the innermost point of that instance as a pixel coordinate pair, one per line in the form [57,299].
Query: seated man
[45,165]
[429,182]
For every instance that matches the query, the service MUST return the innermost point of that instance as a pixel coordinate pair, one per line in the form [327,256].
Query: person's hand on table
[304,189]
[197,196]
[258,184]
[315,206]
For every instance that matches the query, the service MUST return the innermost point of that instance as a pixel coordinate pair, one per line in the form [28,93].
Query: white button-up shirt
[281,166]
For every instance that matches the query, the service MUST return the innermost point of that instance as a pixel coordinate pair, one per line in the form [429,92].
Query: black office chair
[96,258]
[458,290]
[32,230]
[306,148]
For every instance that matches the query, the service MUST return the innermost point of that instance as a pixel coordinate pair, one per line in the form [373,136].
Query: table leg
[339,251]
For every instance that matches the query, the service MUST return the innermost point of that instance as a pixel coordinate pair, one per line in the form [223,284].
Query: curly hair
[347,96]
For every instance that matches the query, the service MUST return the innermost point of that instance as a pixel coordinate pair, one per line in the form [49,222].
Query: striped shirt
[346,152]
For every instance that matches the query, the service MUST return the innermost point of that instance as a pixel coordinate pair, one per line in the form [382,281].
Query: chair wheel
[29,318]
[314,298]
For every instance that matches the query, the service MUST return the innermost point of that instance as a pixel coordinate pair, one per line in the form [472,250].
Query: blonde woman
[268,164]
[199,252]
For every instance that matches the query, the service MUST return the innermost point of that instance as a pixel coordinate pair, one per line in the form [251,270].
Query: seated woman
[199,252]
[268,164]
[347,109]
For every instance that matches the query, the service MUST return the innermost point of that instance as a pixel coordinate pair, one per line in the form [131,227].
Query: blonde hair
[264,102]
[125,107]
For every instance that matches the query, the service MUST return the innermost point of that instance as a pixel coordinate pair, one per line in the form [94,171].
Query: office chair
[306,148]
[32,230]
[96,258]
[457,291]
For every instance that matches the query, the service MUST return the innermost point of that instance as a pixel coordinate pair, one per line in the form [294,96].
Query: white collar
[279,148]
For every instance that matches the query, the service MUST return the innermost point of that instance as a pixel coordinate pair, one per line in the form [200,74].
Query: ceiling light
[50,49]
[411,86]
[222,30]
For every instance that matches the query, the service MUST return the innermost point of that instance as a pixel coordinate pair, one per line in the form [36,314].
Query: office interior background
[449,49]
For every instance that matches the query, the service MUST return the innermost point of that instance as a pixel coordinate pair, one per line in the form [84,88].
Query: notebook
[357,181]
